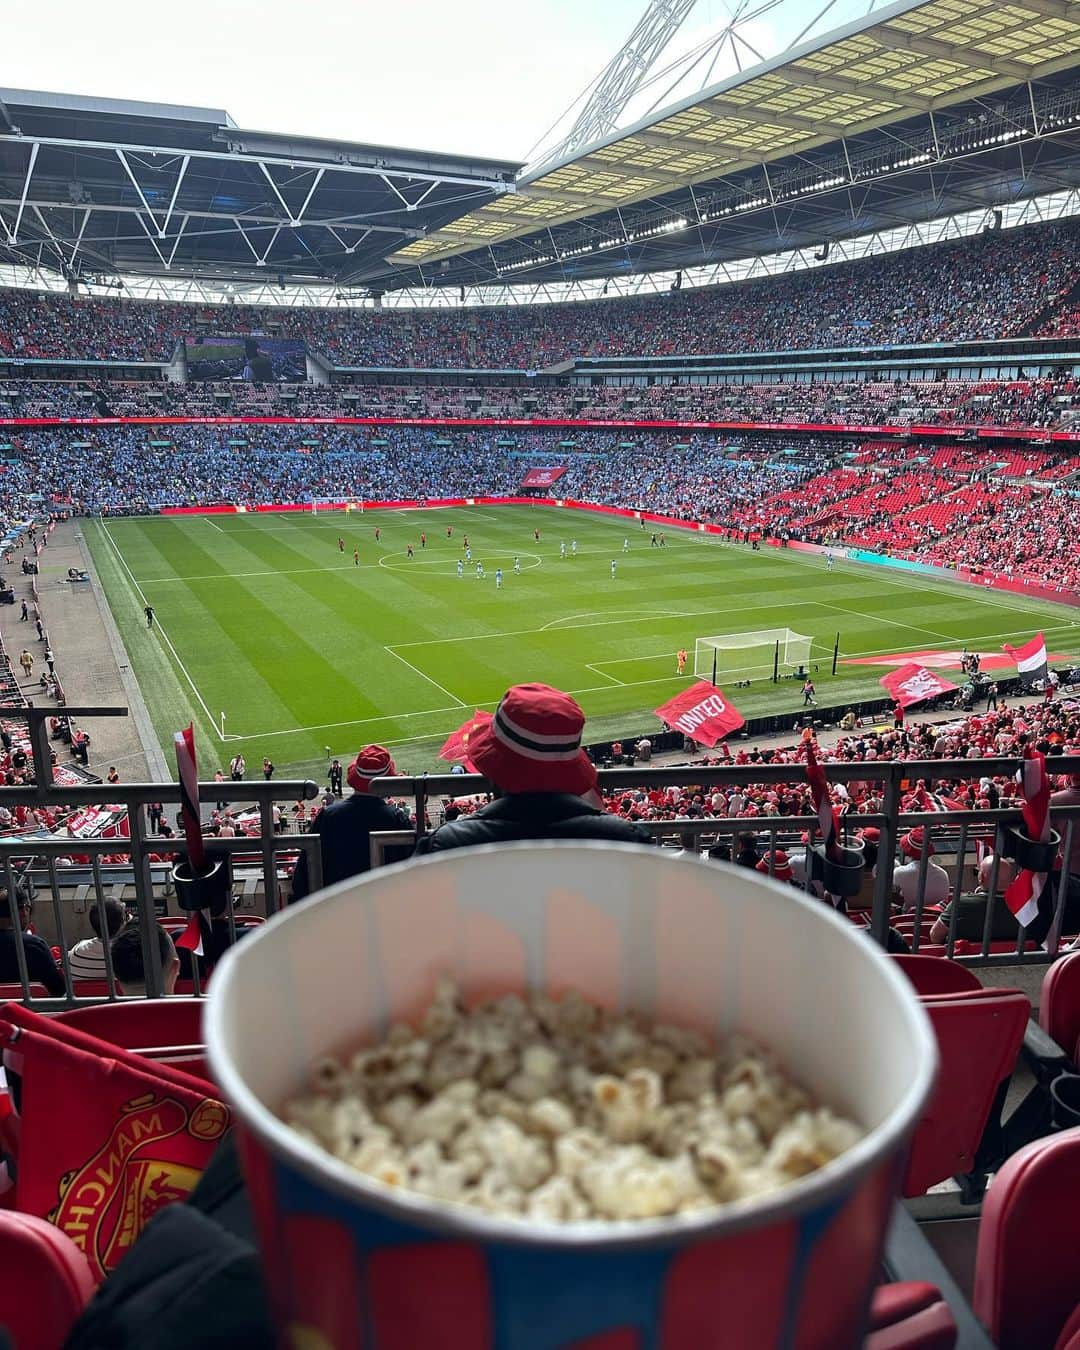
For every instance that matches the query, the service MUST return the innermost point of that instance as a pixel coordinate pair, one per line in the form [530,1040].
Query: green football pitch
[264,618]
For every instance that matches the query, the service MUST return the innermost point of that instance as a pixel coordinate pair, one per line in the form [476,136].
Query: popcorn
[559,1111]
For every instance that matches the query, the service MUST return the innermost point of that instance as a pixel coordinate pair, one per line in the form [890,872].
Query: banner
[539,478]
[915,684]
[106,1138]
[703,713]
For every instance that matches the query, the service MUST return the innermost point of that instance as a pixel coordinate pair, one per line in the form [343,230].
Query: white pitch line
[434,683]
[352,722]
[603,674]
[604,623]
[167,640]
[213,525]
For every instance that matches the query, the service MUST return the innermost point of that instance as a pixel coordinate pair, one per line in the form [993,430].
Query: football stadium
[540,678]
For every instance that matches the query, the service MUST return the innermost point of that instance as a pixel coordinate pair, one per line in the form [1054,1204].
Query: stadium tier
[989,287]
[1052,403]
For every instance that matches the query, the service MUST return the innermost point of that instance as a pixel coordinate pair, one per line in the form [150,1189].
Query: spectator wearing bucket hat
[344,829]
[531,750]
[906,876]
[781,867]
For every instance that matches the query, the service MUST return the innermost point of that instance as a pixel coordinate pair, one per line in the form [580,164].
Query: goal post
[755,655]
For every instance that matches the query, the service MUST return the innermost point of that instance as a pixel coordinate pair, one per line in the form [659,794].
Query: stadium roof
[904,62]
[107,186]
[921,109]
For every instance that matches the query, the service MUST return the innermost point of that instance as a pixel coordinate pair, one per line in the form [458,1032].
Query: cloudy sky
[486,77]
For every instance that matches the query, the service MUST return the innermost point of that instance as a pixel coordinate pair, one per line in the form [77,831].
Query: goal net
[749,655]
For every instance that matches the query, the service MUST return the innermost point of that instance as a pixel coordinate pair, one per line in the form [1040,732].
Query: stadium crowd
[1044,403]
[1054,728]
[954,505]
[990,286]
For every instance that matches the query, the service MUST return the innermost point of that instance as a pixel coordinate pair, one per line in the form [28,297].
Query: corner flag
[714,667]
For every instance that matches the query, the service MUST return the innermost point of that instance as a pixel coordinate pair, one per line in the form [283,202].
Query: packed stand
[1054,728]
[1046,403]
[986,287]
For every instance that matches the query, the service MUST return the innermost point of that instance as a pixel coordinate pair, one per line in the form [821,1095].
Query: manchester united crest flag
[106,1138]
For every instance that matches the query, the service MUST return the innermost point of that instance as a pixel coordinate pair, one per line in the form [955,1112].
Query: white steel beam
[13,233]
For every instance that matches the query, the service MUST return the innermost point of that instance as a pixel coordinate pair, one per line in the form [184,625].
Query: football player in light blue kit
[460,568]
[498,578]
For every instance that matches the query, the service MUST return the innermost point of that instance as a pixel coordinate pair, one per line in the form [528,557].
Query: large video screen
[257,360]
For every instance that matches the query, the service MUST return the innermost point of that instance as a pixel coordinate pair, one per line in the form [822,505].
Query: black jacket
[533,815]
[344,829]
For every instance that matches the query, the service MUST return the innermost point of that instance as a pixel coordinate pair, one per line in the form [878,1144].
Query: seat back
[979,1034]
[47,1282]
[1027,1262]
[167,1030]
[14,992]
[1059,1004]
[935,975]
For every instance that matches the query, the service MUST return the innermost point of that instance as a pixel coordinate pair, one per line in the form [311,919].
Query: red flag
[456,749]
[106,1138]
[703,713]
[1031,895]
[827,814]
[915,684]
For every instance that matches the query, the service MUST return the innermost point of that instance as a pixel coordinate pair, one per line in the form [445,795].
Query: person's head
[911,845]
[533,743]
[22,908]
[1005,874]
[115,917]
[781,866]
[747,841]
[127,959]
[373,761]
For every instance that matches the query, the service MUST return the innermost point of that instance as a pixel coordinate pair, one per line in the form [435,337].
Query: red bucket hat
[912,844]
[372,762]
[533,743]
[781,866]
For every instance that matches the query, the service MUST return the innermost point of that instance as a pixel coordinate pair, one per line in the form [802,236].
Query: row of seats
[1025,1291]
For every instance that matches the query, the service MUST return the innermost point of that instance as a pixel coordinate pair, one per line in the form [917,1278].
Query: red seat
[934,975]
[91,988]
[909,1316]
[47,1282]
[979,1035]
[1027,1263]
[14,991]
[168,1030]
[1059,1005]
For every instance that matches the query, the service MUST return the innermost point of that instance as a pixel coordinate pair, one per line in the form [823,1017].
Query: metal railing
[29,862]
[67,891]
[955,833]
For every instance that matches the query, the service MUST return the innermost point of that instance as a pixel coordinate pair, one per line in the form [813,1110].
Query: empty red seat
[47,1282]
[1027,1263]
[979,1035]
[1059,1006]
[15,991]
[910,1315]
[167,1030]
[935,975]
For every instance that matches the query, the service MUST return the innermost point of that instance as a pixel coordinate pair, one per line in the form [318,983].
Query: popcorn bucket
[351,1263]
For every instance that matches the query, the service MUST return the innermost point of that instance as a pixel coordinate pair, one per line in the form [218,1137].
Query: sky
[480,77]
